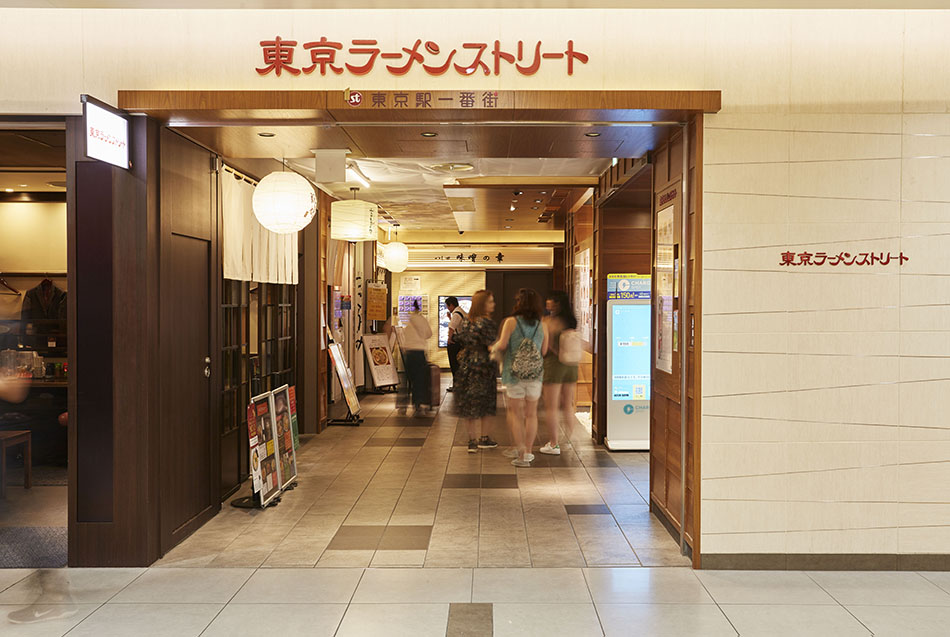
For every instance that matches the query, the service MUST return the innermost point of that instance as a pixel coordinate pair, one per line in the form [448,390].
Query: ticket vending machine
[629,361]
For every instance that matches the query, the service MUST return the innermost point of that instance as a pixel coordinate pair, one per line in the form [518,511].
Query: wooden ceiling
[32,150]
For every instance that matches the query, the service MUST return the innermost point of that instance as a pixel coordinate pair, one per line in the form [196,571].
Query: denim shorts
[530,389]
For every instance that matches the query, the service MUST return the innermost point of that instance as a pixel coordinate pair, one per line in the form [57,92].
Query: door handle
[207,372]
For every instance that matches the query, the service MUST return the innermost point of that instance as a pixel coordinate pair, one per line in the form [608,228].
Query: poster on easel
[345,377]
[376,301]
[261,434]
[380,359]
[293,416]
[284,435]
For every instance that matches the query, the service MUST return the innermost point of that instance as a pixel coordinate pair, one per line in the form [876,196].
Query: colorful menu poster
[583,302]
[664,289]
[376,293]
[380,359]
[293,415]
[284,435]
[261,435]
[407,303]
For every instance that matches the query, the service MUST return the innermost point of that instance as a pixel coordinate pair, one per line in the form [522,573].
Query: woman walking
[560,376]
[475,392]
[524,340]
[415,342]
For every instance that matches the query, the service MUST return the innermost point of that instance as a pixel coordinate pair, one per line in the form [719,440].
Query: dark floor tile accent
[409,442]
[587,509]
[597,459]
[843,562]
[566,459]
[379,442]
[408,421]
[374,421]
[357,538]
[745,561]
[461,481]
[470,620]
[405,538]
[499,481]
[923,562]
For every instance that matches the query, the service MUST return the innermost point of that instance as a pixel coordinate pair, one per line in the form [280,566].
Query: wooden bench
[11,439]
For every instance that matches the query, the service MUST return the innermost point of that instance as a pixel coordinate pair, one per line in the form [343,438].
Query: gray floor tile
[396,586]
[526,585]
[904,621]
[645,586]
[54,619]
[664,620]
[544,620]
[185,586]
[395,620]
[881,588]
[74,585]
[763,587]
[299,586]
[147,620]
[239,620]
[769,620]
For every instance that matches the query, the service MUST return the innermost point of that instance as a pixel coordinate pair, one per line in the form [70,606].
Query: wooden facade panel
[185,181]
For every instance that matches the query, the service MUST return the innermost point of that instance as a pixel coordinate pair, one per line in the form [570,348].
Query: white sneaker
[551,451]
[511,453]
[529,457]
[521,463]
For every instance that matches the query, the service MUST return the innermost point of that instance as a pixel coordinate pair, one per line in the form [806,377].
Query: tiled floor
[457,602]
[395,529]
[404,491]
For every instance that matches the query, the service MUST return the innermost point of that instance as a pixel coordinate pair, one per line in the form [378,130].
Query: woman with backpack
[560,368]
[524,341]
[476,390]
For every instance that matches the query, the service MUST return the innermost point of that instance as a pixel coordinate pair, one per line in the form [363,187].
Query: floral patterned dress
[476,386]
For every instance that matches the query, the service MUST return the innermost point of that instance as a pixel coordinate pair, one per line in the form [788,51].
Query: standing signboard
[380,359]
[284,435]
[261,434]
[345,377]
[293,416]
[628,361]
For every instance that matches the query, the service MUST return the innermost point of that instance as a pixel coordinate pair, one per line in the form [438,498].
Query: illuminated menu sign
[107,134]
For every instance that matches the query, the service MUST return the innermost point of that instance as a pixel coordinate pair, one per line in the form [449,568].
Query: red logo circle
[356,98]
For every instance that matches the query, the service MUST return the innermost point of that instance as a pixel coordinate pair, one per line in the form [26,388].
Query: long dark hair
[565,311]
[528,305]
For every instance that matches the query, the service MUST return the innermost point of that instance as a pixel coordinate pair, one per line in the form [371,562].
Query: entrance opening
[33,344]
[548,191]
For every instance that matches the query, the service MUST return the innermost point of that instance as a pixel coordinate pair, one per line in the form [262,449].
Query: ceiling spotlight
[452,167]
[23,186]
[534,207]
[8,190]
[512,209]
[518,193]
[544,192]
[429,133]
[507,227]
[56,184]
[353,173]
[592,134]
[537,201]
[266,134]
[509,219]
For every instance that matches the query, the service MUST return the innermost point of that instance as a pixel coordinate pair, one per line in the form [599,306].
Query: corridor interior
[404,491]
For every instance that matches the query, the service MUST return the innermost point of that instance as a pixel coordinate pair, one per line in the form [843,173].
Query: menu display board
[583,303]
[465,302]
[293,416]
[407,303]
[284,435]
[376,294]
[261,433]
[345,377]
[664,289]
[380,359]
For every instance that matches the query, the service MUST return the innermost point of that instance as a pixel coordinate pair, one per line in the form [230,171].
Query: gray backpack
[527,364]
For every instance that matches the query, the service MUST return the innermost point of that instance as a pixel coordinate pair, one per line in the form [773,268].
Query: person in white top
[415,342]
[456,316]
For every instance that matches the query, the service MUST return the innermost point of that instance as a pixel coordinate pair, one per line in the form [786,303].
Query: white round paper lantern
[284,202]
[354,220]
[396,256]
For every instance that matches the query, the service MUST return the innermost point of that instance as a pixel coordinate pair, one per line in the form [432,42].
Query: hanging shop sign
[377,293]
[380,360]
[284,435]
[628,286]
[842,258]
[362,56]
[107,133]
[508,257]
[261,433]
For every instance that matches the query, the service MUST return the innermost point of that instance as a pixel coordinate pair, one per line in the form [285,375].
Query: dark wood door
[186,434]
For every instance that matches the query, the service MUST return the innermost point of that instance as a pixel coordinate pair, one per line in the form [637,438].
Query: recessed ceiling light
[518,193]
[507,227]
[534,207]
[429,133]
[510,219]
[538,200]
[452,167]
[593,134]
[512,209]
[266,134]
[23,186]
[8,190]
[56,184]
[544,192]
